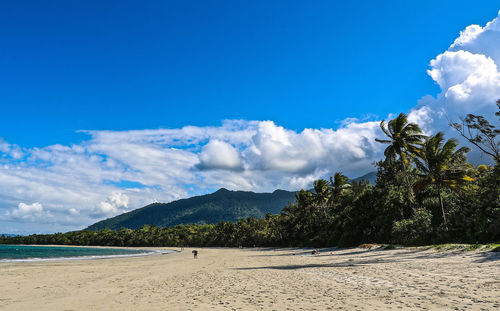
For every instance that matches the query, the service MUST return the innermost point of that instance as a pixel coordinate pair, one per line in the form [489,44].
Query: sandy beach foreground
[260,279]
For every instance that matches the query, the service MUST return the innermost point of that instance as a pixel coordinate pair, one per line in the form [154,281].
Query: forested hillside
[222,205]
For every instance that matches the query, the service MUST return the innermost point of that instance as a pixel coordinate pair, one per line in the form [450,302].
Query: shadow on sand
[326,265]
[373,256]
[490,256]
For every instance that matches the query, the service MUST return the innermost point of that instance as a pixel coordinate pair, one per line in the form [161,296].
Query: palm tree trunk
[442,205]
[411,195]
[410,190]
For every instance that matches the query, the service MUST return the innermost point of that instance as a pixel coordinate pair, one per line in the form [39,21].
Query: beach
[260,279]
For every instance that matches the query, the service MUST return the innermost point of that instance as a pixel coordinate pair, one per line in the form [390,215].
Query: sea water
[41,253]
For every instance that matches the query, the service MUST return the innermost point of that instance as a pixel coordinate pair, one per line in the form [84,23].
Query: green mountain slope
[371,177]
[205,209]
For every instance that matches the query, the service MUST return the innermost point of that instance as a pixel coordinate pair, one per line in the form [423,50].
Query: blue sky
[109,106]
[121,65]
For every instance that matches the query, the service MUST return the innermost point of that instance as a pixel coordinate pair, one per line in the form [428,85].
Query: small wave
[145,253]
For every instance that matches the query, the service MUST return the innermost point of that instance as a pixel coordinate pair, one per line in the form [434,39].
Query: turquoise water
[24,252]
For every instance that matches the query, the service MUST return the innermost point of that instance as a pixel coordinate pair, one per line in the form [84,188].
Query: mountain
[371,177]
[205,209]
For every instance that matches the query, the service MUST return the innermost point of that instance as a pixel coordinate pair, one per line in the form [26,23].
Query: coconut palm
[404,141]
[322,190]
[441,165]
[339,183]
[322,194]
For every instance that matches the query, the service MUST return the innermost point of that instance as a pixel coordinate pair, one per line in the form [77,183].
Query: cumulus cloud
[115,203]
[466,79]
[480,40]
[279,149]
[29,213]
[423,116]
[219,155]
[469,77]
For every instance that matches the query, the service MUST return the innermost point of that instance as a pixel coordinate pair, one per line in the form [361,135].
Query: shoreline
[147,252]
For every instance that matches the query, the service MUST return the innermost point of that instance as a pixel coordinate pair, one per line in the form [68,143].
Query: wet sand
[260,279]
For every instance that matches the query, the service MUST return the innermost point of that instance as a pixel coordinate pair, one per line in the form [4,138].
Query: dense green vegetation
[205,209]
[426,193]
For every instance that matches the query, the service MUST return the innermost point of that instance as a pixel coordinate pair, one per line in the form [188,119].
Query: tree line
[426,192]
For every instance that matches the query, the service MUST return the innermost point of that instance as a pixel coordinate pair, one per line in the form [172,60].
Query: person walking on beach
[195,254]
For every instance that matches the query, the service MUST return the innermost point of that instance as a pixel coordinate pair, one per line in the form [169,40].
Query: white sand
[258,279]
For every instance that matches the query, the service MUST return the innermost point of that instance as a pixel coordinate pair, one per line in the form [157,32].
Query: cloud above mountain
[69,187]
[218,154]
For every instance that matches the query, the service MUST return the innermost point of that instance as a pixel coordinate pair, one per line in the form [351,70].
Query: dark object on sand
[195,254]
[315,252]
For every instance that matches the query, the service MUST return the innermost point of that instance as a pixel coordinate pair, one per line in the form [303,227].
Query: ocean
[42,253]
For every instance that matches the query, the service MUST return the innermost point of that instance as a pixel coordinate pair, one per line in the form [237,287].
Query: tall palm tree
[339,183]
[441,165]
[322,190]
[404,138]
[322,195]
[404,141]
[327,194]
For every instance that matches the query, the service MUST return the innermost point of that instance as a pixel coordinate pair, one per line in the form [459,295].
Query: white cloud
[29,213]
[117,202]
[11,151]
[480,40]
[422,116]
[275,148]
[219,155]
[469,77]
[466,79]
[470,33]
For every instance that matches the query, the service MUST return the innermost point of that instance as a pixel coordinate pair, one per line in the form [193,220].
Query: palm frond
[383,126]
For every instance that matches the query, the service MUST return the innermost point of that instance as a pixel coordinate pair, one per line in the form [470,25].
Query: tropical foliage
[441,166]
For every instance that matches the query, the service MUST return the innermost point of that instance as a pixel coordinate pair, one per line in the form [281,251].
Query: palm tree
[322,195]
[339,184]
[404,141]
[327,194]
[441,166]
[322,190]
